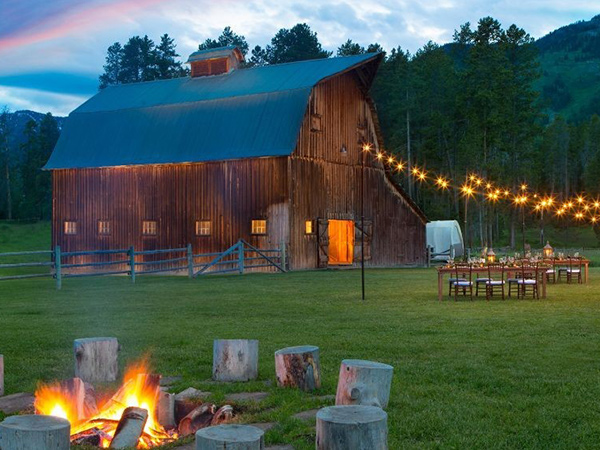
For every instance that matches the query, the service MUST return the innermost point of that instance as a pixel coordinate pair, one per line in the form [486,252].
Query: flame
[139,389]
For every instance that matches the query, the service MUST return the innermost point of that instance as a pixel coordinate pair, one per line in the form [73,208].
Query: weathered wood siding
[325,182]
[228,193]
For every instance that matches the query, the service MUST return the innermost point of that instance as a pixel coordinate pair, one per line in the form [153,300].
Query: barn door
[358,239]
[323,242]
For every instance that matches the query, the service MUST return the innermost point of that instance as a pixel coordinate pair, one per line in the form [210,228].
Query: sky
[52,51]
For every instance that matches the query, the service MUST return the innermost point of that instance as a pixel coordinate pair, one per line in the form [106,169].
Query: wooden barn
[268,154]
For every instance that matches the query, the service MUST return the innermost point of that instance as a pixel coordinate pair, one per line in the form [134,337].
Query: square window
[70,227]
[103,227]
[259,226]
[149,227]
[203,228]
[309,227]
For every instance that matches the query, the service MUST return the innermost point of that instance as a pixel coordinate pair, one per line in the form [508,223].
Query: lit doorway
[341,242]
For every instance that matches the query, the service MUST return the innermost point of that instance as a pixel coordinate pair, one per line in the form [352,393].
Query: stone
[191,393]
[265,426]
[247,396]
[169,380]
[307,415]
[10,404]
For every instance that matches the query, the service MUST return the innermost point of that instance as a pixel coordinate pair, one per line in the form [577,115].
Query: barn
[268,154]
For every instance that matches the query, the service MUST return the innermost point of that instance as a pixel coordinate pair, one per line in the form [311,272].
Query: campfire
[128,418]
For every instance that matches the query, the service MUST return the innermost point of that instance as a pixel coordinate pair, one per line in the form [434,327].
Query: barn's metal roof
[247,113]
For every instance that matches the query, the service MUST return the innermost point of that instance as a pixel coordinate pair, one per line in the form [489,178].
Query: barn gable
[247,113]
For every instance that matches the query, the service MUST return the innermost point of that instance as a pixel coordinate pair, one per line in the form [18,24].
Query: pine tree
[295,44]
[349,48]
[112,68]
[166,64]
[227,37]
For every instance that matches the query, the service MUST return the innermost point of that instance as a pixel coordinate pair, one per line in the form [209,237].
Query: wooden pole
[362,223]
[241,257]
[190,261]
[57,262]
[132,263]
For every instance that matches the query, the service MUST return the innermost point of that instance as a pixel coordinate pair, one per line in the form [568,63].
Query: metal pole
[523,226]
[362,223]
[466,229]
[542,230]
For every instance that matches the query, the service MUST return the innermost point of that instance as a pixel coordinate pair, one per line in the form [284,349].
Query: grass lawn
[513,374]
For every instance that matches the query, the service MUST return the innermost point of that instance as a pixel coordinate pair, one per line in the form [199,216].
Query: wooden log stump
[364,383]
[230,437]
[298,367]
[130,428]
[165,410]
[235,360]
[35,432]
[1,375]
[96,359]
[351,427]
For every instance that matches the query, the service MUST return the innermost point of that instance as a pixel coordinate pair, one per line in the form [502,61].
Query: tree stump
[235,360]
[364,383]
[351,427]
[35,432]
[230,437]
[96,359]
[298,367]
[1,375]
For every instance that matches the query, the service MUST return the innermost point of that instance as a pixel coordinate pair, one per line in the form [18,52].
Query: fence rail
[242,256]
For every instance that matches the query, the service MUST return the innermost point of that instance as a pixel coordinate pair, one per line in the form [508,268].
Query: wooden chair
[463,284]
[574,269]
[481,281]
[551,272]
[513,282]
[528,281]
[457,277]
[492,285]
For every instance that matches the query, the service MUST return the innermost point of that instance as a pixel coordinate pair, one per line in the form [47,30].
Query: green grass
[513,374]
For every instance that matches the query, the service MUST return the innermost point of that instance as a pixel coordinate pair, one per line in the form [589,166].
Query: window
[70,227]
[203,228]
[309,227]
[103,227]
[259,226]
[149,227]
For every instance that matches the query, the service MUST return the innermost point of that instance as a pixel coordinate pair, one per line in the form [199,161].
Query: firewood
[130,428]
[364,383]
[87,437]
[235,360]
[165,410]
[298,367]
[35,432]
[223,415]
[351,427]
[200,417]
[74,388]
[96,359]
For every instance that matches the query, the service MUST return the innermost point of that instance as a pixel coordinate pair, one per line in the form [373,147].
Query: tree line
[468,105]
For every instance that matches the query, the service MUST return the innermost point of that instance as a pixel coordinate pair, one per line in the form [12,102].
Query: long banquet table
[511,271]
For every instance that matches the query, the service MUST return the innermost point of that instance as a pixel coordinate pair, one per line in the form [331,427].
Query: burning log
[34,432]
[82,398]
[235,360]
[93,436]
[298,367]
[165,410]
[231,437]
[201,417]
[364,383]
[130,428]
[96,359]
[223,415]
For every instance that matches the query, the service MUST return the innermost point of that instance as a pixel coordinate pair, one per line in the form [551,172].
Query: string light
[379,156]
[391,160]
[366,147]
[400,166]
[579,215]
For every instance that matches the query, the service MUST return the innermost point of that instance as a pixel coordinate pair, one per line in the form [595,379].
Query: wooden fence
[239,258]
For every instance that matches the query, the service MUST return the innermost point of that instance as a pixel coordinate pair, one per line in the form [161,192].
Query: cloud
[37,100]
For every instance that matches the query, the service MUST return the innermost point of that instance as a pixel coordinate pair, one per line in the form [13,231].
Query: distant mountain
[17,122]
[570,64]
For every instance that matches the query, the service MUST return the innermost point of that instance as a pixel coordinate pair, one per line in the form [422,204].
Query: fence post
[131,253]
[241,256]
[190,260]
[57,262]
[283,256]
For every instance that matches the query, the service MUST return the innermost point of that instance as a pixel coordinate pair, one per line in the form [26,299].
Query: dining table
[482,269]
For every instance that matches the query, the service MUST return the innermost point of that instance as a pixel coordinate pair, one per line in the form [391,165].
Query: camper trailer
[445,239]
